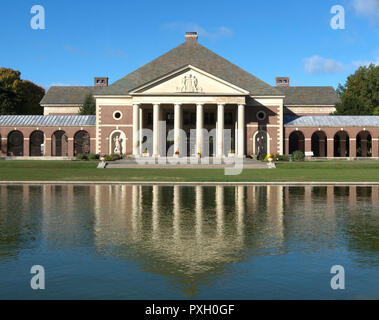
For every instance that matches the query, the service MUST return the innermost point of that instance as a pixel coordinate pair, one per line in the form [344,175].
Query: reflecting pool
[189,242]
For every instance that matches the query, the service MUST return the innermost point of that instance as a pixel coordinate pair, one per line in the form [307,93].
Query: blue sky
[270,38]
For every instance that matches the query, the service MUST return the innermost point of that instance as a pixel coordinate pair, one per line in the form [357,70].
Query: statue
[189,84]
[117,145]
[261,143]
[194,83]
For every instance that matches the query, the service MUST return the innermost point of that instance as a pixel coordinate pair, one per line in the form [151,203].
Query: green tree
[9,101]
[19,96]
[31,95]
[360,94]
[88,106]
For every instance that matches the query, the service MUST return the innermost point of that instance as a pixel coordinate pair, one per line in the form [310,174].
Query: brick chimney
[282,82]
[101,82]
[191,36]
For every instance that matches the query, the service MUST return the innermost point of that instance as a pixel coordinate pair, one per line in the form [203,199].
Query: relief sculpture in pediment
[189,84]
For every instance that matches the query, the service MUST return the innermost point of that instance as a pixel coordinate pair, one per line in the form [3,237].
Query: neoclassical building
[191,88]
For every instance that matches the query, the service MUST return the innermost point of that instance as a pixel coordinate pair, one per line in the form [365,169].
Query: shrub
[261,157]
[298,155]
[112,157]
[82,156]
[279,157]
[284,157]
[93,156]
[115,156]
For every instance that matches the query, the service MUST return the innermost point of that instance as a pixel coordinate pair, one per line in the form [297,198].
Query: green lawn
[354,171]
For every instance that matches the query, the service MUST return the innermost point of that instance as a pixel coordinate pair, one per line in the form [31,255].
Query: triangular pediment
[189,80]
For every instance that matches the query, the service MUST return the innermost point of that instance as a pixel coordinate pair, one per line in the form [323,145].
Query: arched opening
[341,144]
[36,146]
[81,142]
[261,143]
[59,144]
[319,144]
[117,142]
[296,142]
[364,144]
[15,145]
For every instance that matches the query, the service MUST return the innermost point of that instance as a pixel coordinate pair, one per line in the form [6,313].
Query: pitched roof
[331,121]
[67,94]
[190,53]
[37,120]
[309,96]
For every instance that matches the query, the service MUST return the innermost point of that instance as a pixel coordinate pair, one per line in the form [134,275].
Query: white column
[177,126]
[199,127]
[140,116]
[135,128]
[220,130]
[236,137]
[241,130]
[155,129]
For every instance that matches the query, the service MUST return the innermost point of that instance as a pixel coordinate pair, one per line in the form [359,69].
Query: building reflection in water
[192,235]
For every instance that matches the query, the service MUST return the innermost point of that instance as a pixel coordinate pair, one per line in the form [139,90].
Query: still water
[200,242]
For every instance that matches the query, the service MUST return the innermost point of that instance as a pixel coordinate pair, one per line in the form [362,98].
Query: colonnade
[178,116]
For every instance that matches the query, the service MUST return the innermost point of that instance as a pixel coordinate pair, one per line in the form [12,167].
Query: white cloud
[320,65]
[213,33]
[367,7]
[358,63]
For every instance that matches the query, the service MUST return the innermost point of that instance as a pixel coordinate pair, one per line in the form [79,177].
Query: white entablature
[189,81]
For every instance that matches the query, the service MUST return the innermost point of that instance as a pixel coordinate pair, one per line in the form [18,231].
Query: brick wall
[48,134]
